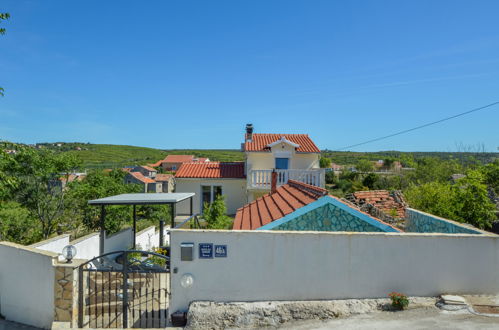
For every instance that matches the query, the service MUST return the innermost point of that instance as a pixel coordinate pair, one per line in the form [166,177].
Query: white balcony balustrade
[261,179]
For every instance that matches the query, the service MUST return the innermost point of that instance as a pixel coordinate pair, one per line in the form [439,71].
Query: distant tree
[330,177]
[215,214]
[325,162]
[370,180]
[3,16]
[364,166]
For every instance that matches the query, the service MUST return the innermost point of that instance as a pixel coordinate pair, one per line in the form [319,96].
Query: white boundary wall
[149,238]
[278,265]
[27,285]
[54,244]
[87,247]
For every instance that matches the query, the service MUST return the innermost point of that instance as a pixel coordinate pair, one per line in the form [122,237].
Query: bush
[215,214]
[399,300]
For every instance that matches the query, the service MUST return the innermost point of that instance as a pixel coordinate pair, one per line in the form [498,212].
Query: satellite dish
[69,252]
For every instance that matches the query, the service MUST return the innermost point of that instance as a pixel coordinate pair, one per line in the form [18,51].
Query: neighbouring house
[291,156]
[173,162]
[146,171]
[299,206]
[210,179]
[65,179]
[148,184]
[167,181]
[337,168]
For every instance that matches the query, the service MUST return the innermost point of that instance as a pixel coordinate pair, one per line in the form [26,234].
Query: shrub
[399,300]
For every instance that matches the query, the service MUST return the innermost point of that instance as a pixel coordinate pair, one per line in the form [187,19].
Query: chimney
[249,132]
[273,182]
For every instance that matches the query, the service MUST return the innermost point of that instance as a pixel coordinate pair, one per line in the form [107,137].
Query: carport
[171,199]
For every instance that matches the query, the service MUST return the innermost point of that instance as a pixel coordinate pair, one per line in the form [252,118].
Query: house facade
[208,180]
[149,184]
[290,156]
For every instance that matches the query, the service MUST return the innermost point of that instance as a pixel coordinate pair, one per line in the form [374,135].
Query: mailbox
[186,251]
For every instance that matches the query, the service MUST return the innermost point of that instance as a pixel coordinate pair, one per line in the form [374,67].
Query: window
[209,194]
[281,163]
[174,167]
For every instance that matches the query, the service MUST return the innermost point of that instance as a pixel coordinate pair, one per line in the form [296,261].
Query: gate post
[125,289]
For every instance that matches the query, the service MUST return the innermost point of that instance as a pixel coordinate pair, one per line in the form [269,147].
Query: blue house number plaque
[205,250]
[220,251]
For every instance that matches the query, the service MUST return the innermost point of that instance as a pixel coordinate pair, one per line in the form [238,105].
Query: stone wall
[66,292]
[421,222]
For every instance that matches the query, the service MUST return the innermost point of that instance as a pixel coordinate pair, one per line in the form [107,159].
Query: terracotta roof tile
[260,142]
[212,170]
[163,177]
[273,206]
[140,177]
[148,168]
[178,159]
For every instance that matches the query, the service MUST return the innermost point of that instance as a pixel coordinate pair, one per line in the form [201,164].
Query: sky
[191,74]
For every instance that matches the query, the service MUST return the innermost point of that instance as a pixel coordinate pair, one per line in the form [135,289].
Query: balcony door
[282,163]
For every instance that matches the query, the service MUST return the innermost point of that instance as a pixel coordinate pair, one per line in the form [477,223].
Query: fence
[270,265]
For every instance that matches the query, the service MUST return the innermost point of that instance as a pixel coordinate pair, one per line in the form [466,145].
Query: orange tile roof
[260,142]
[163,177]
[178,159]
[140,177]
[148,168]
[157,164]
[286,199]
[211,170]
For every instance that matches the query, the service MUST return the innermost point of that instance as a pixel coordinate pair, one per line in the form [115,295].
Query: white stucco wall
[234,191]
[266,265]
[27,285]
[119,241]
[87,247]
[55,244]
[149,238]
[266,160]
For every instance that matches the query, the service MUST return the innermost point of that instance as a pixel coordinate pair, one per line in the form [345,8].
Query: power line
[421,126]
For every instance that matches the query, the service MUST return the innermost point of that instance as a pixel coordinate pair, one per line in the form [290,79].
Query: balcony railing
[261,179]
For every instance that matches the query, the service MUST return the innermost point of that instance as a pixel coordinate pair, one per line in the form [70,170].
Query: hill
[112,156]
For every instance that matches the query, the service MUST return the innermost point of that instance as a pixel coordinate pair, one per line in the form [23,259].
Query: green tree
[37,184]
[364,166]
[17,224]
[472,200]
[370,180]
[215,214]
[325,162]
[99,184]
[3,16]
[465,201]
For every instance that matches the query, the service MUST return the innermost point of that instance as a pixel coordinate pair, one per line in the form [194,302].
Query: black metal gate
[124,289]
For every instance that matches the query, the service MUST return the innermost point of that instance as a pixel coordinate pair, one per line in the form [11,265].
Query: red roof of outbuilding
[178,159]
[260,142]
[140,177]
[163,177]
[211,170]
[286,199]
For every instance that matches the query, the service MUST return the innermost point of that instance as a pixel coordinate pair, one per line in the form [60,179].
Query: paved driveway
[421,318]
[7,325]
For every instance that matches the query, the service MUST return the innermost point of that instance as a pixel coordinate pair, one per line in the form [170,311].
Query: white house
[292,156]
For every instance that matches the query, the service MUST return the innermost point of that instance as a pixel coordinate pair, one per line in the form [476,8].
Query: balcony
[261,179]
